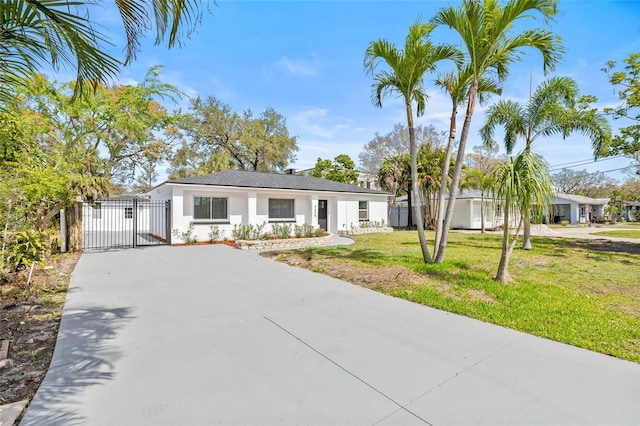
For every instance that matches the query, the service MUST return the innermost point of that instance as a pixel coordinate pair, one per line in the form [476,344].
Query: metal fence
[123,223]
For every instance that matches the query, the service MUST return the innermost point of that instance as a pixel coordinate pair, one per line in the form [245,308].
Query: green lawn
[621,233]
[584,293]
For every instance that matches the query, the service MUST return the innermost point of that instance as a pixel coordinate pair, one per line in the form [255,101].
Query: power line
[584,162]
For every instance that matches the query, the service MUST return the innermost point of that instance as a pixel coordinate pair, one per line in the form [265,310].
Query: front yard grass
[581,292]
[621,233]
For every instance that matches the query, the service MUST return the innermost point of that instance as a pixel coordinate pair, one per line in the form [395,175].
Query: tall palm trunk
[503,268]
[482,231]
[414,184]
[457,172]
[526,216]
[444,178]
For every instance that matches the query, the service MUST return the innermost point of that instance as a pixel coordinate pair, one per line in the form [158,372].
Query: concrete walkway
[207,335]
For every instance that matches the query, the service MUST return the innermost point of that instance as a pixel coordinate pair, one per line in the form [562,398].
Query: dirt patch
[29,320]
[603,245]
[386,279]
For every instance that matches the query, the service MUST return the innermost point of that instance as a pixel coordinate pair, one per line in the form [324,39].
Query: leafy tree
[627,83]
[116,132]
[42,177]
[394,177]
[582,182]
[341,169]
[431,161]
[395,143]
[220,139]
[407,68]
[518,180]
[630,189]
[551,110]
[56,33]
[489,37]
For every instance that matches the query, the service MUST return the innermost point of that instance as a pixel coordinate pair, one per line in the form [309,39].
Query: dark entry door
[322,214]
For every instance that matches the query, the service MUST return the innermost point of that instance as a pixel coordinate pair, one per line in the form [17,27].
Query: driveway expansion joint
[352,374]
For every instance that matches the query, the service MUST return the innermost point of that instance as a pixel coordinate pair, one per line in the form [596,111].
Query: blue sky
[304,58]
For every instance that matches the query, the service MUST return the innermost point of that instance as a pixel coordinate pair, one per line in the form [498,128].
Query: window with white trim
[363,211]
[281,209]
[128,212]
[210,209]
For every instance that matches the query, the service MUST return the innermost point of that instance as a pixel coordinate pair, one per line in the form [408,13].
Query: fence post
[135,222]
[74,226]
[167,220]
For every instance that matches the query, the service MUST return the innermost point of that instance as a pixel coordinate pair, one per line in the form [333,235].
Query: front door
[322,214]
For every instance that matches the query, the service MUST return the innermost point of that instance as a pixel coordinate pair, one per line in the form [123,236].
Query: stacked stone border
[356,231]
[290,243]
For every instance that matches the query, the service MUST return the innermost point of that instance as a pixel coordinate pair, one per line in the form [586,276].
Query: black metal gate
[125,222]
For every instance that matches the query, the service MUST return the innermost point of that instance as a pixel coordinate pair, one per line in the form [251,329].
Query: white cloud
[297,66]
[319,122]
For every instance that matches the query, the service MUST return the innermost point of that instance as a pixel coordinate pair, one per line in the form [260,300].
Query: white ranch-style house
[231,198]
[466,213]
[577,209]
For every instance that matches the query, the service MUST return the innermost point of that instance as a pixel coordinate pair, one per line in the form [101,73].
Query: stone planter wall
[291,243]
[356,231]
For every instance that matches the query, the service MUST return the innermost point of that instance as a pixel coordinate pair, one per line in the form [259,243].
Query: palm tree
[551,110]
[482,180]
[58,32]
[457,85]
[519,180]
[487,33]
[405,77]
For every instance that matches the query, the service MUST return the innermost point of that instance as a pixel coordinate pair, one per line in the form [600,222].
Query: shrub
[187,236]
[215,234]
[25,248]
[281,230]
[247,232]
[305,230]
[564,223]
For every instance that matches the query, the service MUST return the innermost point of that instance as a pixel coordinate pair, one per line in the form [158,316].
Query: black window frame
[275,219]
[210,217]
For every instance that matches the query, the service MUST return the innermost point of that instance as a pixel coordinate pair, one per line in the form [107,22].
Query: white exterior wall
[251,206]
[112,216]
[348,211]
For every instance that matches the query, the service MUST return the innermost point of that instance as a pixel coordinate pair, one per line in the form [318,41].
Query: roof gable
[250,179]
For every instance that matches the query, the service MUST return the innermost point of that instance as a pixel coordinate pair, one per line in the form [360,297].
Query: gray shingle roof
[249,179]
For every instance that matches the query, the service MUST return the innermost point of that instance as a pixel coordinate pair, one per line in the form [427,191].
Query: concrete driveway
[208,335]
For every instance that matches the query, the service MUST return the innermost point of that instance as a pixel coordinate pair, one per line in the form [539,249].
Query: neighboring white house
[466,212]
[235,197]
[577,209]
[630,209]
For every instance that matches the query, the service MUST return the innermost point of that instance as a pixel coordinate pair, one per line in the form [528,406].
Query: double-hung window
[281,210]
[363,211]
[128,212]
[210,209]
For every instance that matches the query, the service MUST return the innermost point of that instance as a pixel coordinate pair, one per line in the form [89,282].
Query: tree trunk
[482,212]
[503,268]
[444,179]
[74,227]
[526,244]
[457,173]
[414,183]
